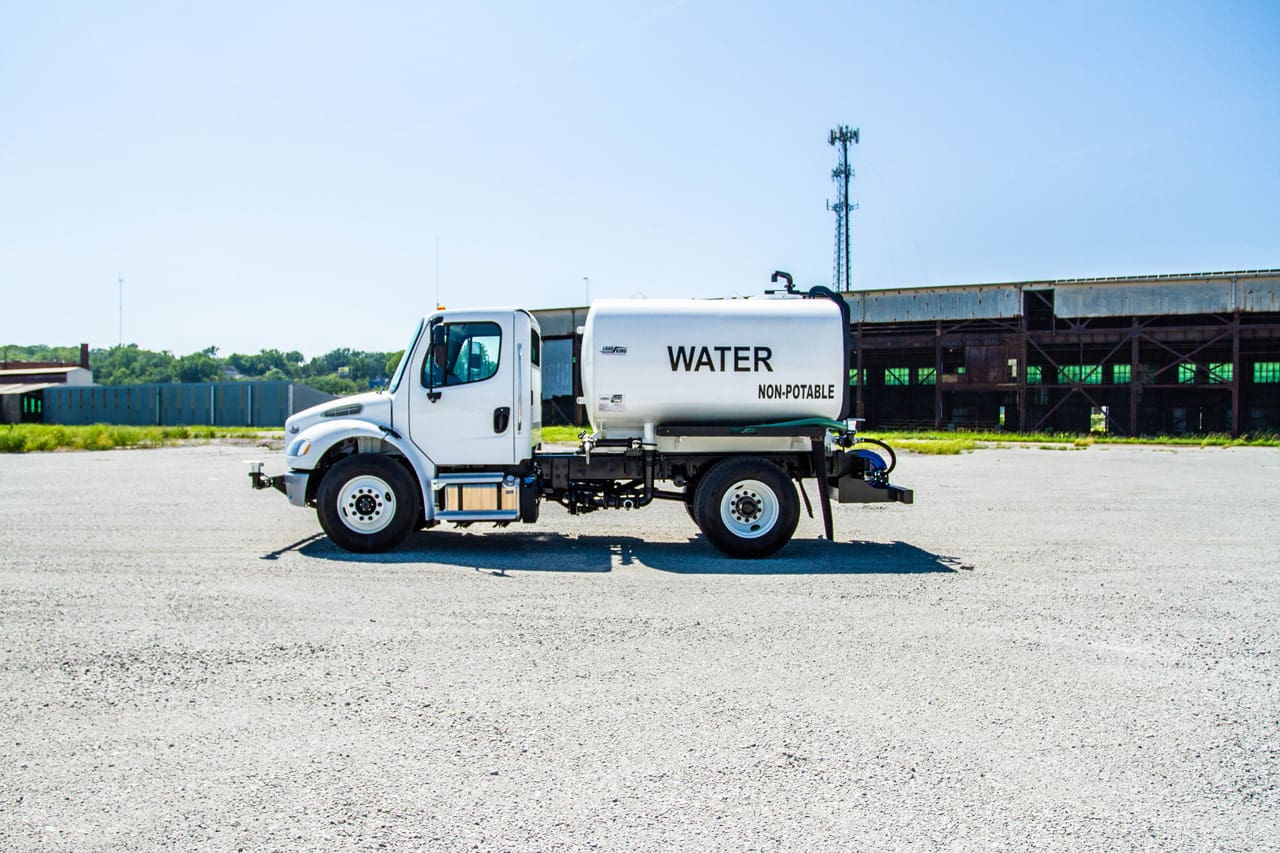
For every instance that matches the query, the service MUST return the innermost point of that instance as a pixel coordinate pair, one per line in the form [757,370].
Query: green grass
[934,442]
[33,438]
[562,434]
[934,446]
[926,441]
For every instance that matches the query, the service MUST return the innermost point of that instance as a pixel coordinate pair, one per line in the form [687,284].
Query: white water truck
[727,406]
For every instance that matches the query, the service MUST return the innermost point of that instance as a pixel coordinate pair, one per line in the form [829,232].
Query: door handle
[501,417]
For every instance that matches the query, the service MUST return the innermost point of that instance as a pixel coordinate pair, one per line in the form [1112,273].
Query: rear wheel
[747,507]
[367,503]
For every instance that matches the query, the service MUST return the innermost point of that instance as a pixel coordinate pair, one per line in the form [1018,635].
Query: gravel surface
[1055,650]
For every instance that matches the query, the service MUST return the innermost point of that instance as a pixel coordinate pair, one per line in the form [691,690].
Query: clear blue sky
[277,174]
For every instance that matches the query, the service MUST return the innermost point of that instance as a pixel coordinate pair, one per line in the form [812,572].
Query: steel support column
[1022,373]
[1134,387]
[1235,374]
[937,375]
[857,374]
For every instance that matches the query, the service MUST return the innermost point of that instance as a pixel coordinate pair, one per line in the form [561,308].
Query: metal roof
[40,371]
[23,388]
[1168,276]
[1185,293]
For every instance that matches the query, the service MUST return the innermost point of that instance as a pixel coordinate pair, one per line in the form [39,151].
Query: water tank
[654,362]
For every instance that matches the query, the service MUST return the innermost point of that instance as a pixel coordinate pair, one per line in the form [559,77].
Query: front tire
[747,507]
[367,503]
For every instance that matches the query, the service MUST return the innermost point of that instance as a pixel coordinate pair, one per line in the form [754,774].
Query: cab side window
[472,354]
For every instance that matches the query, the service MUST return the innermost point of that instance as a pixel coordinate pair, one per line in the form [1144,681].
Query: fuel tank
[734,362]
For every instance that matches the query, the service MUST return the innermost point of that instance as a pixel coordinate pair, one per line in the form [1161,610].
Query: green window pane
[1186,373]
[897,376]
[1121,374]
[1220,371]
[1266,371]
[1033,374]
[1086,374]
[928,376]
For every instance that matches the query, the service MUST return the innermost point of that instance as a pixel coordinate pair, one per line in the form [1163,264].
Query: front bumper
[295,487]
[292,485]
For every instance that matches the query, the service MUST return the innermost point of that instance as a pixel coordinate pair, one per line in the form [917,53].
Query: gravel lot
[1063,650]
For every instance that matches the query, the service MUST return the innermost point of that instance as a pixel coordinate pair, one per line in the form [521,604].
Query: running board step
[476,497]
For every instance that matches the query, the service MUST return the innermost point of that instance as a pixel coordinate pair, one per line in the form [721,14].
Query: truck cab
[450,437]
[474,396]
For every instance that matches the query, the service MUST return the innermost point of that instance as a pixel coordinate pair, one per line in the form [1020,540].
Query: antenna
[120,329]
[586,280]
[841,174]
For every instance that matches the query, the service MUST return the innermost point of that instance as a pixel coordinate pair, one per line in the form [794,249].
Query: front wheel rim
[366,504]
[749,509]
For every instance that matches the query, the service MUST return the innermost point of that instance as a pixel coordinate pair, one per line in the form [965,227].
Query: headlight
[298,447]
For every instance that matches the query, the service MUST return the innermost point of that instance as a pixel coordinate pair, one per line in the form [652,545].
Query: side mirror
[439,357]
[439,345]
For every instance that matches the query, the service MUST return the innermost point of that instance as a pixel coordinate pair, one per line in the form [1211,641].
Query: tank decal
[745,359]
[796,391]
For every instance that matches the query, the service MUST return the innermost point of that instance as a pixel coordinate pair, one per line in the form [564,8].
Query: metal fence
[264,404]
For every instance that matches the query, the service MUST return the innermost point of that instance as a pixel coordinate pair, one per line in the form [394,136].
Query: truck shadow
[799,557]
[556,552]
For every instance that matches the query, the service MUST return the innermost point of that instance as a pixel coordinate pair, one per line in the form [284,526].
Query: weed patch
[34,438]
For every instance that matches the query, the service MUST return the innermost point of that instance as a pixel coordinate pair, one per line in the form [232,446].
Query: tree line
[339,371]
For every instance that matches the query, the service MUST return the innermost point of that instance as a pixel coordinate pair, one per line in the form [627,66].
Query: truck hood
[372,406]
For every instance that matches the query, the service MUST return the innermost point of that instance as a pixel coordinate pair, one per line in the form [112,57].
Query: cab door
[462,410]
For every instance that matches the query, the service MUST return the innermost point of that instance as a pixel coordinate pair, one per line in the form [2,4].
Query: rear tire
[367,503]
[747,507]
[689,493]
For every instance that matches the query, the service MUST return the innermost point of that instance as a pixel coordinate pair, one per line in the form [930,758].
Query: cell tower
[841,174]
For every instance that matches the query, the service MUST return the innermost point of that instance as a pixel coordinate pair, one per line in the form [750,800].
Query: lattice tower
[841,175]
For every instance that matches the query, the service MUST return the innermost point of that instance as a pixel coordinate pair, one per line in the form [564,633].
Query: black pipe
[893,457]
[815,292]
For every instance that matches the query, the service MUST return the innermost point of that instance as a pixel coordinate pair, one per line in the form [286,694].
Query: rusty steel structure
[1136,355]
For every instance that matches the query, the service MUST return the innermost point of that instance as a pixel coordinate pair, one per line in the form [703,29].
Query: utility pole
[842,136]
[120,329]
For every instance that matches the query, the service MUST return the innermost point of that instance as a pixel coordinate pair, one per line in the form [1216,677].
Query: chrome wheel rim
[749,509]
[366,503]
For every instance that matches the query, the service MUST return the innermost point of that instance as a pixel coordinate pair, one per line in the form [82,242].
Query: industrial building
[1135,355]
[23,383]
[56,393]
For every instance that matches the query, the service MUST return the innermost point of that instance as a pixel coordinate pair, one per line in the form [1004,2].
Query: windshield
[404,359]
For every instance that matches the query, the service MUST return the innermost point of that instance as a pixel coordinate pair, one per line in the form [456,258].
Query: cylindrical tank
[655,362]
